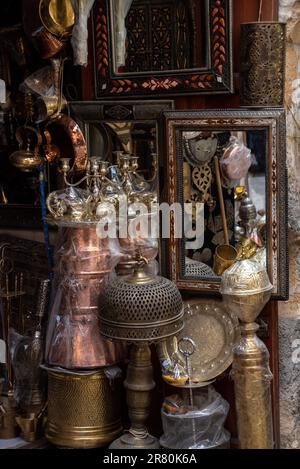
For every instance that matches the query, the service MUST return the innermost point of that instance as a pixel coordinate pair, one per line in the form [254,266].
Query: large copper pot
[73,339]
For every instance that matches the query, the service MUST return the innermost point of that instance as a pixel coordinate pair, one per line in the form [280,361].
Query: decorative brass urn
[246,289]
[140,309]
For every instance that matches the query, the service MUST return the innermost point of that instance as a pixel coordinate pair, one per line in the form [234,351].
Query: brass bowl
[57,16]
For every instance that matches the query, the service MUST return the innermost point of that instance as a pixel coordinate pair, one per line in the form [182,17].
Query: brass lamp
[246,289]
[140,309]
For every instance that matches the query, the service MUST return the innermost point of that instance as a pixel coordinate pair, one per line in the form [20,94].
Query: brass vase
[262,64]
[246,289]
[252,378]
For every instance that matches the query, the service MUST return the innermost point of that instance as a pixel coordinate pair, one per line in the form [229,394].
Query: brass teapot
[27,159]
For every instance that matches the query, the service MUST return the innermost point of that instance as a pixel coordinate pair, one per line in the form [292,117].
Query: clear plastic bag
[201,427]
[235,161]
[84,263]
[29,380]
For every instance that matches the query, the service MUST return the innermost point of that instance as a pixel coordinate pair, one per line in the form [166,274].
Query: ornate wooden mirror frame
[272,122]
[216,77]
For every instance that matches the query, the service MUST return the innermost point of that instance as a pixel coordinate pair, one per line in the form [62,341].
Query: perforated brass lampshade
[141,308]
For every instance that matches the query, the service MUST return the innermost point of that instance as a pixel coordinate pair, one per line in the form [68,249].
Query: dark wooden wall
[243,11]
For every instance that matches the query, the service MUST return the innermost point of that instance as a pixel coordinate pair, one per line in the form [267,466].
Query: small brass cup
[225,257]
[48,106]
[31,426]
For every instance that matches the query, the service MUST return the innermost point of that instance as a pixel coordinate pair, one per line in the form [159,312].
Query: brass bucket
[83,409]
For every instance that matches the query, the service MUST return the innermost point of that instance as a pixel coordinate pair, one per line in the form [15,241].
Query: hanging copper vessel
[46,44]
[83,261]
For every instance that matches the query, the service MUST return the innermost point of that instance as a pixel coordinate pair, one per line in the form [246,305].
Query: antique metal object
[31,426]
[73,339]
[30,380]
[264,132]
[140,309]
[8,410]
[246,289]
[225,254]
[214,332]
[47,44]
[138,384]
[57,16]
[83,409]
[252,377]
[128,45]
[27,159]
[262,64]
[66,132]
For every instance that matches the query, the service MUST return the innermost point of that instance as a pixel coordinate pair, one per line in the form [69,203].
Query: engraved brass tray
[214,333]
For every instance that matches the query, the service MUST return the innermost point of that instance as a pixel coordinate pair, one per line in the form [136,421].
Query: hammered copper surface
[66,134]
[73,339]
[83,410]
[262,64]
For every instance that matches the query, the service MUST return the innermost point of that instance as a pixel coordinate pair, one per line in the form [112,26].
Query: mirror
[127,126]
[159,35]
[151,47]
[224,169]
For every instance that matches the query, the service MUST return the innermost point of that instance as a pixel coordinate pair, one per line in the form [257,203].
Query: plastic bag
[201,427]
[235,161]
[84,263]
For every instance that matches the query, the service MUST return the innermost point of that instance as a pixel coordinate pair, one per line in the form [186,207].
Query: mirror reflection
[136,139]
[224,180]
[159,35]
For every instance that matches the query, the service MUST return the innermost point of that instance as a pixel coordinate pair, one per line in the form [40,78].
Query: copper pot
[73,339]
[45,43]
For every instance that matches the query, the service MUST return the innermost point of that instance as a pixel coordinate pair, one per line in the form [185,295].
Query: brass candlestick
[246,289]
[140,309]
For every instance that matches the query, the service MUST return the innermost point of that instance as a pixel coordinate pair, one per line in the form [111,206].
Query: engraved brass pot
[83,409]
[262,64]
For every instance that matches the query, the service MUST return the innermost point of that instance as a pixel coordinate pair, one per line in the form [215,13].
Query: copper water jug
[83,264]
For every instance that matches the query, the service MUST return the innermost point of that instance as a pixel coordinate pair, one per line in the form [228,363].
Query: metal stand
[139,384]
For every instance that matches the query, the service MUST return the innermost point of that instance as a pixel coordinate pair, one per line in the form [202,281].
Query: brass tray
[214,333]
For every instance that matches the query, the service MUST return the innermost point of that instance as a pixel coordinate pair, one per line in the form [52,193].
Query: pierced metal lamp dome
[140,309]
